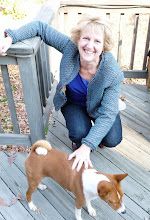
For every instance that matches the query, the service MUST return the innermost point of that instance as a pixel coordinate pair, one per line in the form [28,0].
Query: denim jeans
[78,123]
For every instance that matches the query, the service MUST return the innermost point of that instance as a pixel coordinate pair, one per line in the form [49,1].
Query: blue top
[76,90]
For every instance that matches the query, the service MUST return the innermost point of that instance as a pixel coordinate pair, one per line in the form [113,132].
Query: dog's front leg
[78,214]
[90,209]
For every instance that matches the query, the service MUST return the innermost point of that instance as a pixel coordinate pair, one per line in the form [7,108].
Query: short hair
[96,22]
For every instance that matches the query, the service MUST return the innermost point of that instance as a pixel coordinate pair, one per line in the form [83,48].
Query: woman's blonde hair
[97,23]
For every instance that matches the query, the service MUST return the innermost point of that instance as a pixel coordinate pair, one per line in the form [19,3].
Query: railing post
[32,100]
[148,68]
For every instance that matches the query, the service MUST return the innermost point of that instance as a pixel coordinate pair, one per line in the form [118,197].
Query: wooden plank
[49,109]
[138,74]
[135,138]
[15,139]
[135,125]
[16,181]
[107,2]
[139,115]
[148,77]
[5,60]
[136,102]
[48,72]
[40,79]
[137,91]
[115,19]
[24,48]
[31,97]
[141,44]
[9,94]
[147,45]
[16,211]
[44,69]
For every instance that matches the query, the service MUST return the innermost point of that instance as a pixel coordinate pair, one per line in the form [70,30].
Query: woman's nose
[90,44]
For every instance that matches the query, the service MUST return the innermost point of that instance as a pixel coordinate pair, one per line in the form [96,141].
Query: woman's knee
[78,133]
[113,143]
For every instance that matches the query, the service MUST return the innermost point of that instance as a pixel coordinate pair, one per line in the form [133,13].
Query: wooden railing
[32,58]
[131,30]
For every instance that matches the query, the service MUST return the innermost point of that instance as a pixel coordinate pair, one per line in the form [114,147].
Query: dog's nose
[123,212]
[122,209]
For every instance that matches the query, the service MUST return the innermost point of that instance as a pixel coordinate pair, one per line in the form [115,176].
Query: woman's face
[90,44]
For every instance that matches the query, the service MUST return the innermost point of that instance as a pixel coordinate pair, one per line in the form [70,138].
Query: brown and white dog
[87,184]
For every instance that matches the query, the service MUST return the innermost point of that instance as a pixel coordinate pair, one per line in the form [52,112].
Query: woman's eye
[85,38]
[97,41]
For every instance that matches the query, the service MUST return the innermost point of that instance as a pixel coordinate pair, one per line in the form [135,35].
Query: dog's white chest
[90,179]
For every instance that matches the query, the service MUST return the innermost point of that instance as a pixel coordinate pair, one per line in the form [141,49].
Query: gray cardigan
[103,89]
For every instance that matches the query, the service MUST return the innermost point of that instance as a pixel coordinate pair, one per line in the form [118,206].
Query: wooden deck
[131,156]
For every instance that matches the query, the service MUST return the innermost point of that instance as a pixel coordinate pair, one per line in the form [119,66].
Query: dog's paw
[41,151]
[92,211]
[32,206]
[42,186]
[79,218]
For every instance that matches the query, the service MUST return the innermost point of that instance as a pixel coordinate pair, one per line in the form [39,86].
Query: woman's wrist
[85,147]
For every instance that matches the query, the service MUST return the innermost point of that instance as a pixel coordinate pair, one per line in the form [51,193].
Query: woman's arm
[47,33]
[107,114]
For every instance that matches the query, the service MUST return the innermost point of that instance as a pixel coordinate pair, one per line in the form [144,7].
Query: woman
[89,86]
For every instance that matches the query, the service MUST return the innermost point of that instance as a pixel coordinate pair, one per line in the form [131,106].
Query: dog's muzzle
[122,209]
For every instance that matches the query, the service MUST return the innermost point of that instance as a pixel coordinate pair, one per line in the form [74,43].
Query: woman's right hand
[5,43]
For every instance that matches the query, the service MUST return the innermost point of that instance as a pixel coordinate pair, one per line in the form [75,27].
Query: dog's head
[111,192]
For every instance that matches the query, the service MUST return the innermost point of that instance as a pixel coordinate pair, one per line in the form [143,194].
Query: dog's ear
[104,188]
[120,177]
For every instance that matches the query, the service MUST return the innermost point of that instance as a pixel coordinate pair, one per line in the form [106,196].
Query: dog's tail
[41,147]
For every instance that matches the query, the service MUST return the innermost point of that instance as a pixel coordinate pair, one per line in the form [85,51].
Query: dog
[87,184]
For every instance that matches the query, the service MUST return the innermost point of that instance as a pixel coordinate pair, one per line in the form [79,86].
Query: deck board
[131,156]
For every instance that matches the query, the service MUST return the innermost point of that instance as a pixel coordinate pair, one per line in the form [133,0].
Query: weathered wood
[138,74]
[9,94]
[134,40]
[107,2]
[147,45]
[15,139]
[148,68]
[7,60]
[8,195]
[49,109]
[18,183]
[31,97]
[40,77]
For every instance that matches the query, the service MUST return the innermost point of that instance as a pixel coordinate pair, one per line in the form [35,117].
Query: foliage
[16,8]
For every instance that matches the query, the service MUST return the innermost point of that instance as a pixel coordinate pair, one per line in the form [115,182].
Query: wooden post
[32,100]
[148,69]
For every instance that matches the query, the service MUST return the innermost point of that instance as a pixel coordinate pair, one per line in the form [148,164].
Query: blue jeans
[78,123]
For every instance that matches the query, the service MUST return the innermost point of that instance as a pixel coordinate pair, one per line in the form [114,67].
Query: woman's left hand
[82,156]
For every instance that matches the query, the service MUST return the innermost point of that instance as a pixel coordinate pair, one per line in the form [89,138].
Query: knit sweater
[103,90]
